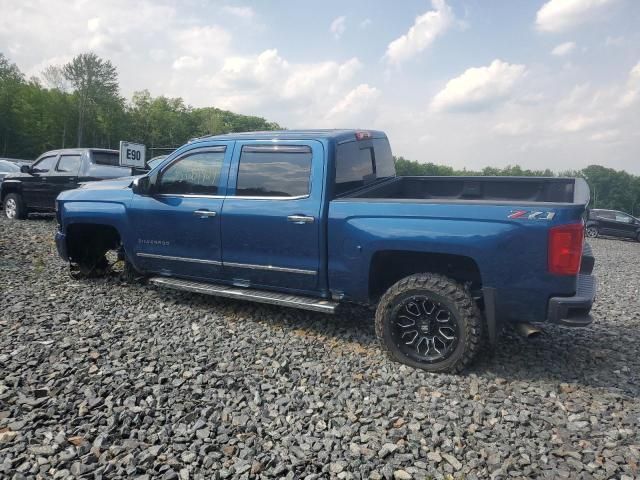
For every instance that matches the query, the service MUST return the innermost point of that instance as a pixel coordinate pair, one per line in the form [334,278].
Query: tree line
[610,188]
[79,104]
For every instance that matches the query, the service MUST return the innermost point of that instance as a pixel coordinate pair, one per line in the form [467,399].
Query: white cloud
[578,123]
[479,88]
[186,62]
[242,12]
[513,128]
[365,23]
[203,41]
[563,49]
[605,135]
[632,92]
[357,100]
[561,15]
[267,82]
[338,27]
[93,24]
[614,41]
[426,28]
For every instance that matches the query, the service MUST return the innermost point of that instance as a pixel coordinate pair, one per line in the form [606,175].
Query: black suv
[613,223]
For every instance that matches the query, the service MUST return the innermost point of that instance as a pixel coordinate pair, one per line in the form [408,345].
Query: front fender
[8,186]
[112,214]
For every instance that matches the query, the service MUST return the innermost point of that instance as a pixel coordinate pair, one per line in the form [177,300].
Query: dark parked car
[35,187]
[613,223]
[7,168]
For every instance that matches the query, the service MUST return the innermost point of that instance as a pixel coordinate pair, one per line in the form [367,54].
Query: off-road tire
[449,293]
[16,204]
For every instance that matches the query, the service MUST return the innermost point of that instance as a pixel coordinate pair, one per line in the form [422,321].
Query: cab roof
[337,135]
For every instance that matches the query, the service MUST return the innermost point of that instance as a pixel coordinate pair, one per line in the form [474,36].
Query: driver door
[36,186]
[178,225]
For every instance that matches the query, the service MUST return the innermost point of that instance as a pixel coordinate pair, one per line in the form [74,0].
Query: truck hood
[114,184]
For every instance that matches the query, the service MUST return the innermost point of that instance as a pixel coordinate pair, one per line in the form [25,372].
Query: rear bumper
[574,311]
[61,245]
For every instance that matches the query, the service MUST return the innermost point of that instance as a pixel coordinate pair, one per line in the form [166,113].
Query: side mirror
[25,169]
[141,186]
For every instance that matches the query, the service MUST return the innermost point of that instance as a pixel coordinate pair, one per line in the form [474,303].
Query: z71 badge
[532,215]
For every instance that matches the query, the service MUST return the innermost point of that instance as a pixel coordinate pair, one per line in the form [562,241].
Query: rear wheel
[429,321]
[14,207]
[592,231]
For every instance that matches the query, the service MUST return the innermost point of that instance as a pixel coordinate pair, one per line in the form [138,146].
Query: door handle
[300,219]
[204,213]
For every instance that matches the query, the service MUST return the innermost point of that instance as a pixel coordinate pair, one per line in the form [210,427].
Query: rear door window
[361,162]
[623,218]
[44,165]
[69,164]
[274,171]
[106,158]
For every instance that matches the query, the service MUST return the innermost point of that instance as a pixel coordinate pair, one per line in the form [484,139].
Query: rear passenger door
[270,217]
[606,222]
[625,225]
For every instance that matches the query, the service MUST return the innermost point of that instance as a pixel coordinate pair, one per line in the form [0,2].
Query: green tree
[95,83]
[11,81]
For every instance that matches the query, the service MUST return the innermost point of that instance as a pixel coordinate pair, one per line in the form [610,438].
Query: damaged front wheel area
[89,265]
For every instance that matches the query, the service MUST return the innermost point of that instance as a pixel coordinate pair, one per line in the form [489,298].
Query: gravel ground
[101,379]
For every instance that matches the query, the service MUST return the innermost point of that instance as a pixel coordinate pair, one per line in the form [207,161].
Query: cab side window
[195,174]
[69,164]
[274,171]
[44,165]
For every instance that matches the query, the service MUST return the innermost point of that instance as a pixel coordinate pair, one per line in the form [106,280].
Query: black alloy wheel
[425,329]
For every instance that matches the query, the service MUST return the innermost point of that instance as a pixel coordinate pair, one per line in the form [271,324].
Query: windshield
[8,167]
[155,161]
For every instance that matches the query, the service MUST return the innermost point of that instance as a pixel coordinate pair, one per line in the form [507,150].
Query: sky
[467,83]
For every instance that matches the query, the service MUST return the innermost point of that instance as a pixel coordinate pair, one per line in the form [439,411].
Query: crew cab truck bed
[317,219]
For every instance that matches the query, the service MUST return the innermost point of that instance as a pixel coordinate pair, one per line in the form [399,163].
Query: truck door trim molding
[178,259]
[238,197]
[270,268]
[188,195]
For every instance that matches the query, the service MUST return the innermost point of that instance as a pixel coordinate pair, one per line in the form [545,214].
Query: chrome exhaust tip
[527,330]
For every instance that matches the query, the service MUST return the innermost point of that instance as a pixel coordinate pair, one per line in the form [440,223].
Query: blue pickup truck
[316,219]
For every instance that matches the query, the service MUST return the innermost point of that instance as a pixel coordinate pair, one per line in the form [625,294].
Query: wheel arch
[83,238]
[10,186]
[389,266]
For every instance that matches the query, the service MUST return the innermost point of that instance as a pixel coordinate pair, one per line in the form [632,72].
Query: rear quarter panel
[511,254]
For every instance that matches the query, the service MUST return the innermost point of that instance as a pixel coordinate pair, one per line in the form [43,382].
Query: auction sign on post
[132,154]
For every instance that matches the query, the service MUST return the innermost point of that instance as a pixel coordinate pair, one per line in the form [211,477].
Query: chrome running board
[260,296]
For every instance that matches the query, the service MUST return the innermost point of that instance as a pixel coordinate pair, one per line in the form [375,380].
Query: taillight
[565,248]
[363,135]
